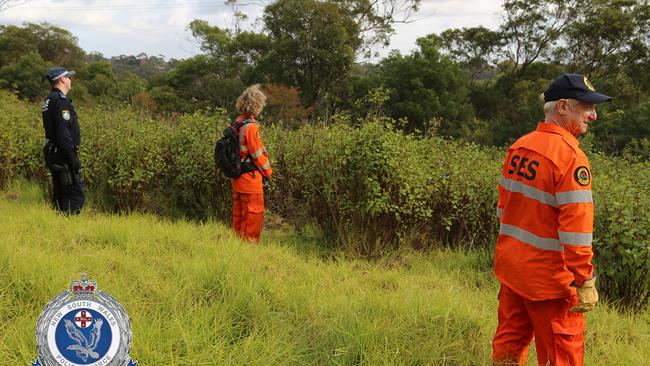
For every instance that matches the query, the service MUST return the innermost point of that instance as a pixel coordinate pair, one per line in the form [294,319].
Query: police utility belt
[54,164]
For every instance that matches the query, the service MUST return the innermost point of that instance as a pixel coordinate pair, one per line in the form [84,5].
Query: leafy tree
[57,45]
[539,39]
[283,104]
[236,52]
[198,83]
[95,56]
[351,95]
[312,46]
[143,101]
[99,79]
[623,129]
[129,85]
[606,36]
[101,67]
[26,76]
[474,48]
[216,78]
[375,19]
[142,65]
[165,98]
[16,42]
[427,85]
[530,32]
[52,43]
[531,28]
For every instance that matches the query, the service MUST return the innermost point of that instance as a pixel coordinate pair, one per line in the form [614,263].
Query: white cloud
[115,27]
[460,7]
[436,16]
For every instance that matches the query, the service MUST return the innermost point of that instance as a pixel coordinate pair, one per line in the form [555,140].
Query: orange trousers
[248,215]
[558,333]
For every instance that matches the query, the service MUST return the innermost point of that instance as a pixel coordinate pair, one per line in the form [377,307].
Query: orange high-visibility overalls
[248,192]
[546,213]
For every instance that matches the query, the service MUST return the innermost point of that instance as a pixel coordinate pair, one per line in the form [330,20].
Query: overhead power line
[6,4]
[135,7]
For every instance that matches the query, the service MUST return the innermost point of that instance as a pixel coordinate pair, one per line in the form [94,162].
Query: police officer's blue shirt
[61,126]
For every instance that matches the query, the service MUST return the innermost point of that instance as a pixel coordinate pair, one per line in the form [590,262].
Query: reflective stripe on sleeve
[530,238]
[499,212]
[243,148]
[259,152]
[266,166]
[528,191]
[581,239]
[577,196]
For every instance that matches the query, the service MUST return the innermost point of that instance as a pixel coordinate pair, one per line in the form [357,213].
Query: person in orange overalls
[543,253]
[247,189]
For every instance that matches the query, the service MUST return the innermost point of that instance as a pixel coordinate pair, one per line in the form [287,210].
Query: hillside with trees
[477,84]
[380,226]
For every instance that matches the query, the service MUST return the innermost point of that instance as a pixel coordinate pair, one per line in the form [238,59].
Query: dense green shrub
[622,228]
[371,189]
[21,140]
[372,186]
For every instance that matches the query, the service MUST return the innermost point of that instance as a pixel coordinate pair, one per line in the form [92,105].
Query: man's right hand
[587,297]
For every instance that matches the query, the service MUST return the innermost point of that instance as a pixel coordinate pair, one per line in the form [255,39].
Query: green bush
[622,228]
[21,140]
[371,189]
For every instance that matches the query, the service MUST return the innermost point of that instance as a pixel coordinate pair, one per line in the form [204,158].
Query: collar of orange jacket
[245,116]
[553,128]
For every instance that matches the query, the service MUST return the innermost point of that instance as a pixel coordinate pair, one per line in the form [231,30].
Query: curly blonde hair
[251,101]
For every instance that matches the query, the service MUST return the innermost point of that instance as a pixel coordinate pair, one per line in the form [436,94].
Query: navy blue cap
[56,73]
[574,86]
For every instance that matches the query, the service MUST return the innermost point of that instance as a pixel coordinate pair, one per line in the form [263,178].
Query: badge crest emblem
[83,326]
[66,115]
[588,84]
[582,176]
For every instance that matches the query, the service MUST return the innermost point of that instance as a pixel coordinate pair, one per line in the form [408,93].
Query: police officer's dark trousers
[68,191]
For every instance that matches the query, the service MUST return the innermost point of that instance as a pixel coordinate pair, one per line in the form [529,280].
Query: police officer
[62,139]
[543,253]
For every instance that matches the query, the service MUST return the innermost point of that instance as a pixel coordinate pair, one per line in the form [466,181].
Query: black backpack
[226,152]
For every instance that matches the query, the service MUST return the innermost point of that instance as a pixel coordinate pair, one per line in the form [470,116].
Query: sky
[159,27]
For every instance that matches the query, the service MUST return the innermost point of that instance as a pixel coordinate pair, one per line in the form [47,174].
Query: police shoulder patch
[582,175]
[65,114]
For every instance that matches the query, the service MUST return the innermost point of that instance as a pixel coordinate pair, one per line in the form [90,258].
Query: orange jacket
[251,148]
[546,215]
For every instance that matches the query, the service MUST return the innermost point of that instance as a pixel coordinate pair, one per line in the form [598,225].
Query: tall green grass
[370,189]
[196,295]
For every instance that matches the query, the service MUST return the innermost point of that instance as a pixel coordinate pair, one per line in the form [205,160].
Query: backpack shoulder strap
[239,124]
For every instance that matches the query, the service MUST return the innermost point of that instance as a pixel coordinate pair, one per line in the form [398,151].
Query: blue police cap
[56,73]
[574,86]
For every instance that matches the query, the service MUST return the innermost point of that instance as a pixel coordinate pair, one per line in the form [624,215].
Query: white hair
[550,107]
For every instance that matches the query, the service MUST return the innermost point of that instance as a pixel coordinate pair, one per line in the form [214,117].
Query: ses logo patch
[582,176]
[83,326]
